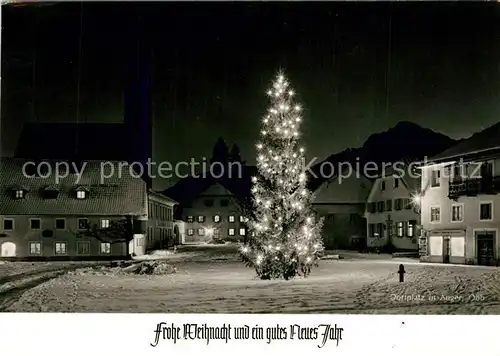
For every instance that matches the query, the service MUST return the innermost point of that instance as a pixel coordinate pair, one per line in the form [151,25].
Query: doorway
[485,248]
[8,249]
[446,249]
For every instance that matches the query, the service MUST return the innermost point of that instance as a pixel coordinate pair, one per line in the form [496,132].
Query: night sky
[358,68]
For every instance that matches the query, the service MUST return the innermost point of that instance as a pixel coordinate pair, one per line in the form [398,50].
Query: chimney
[137,110]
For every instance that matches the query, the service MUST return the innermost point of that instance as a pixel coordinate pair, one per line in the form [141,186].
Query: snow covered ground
[205,285]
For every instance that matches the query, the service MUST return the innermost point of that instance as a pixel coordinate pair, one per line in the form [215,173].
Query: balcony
[473,187]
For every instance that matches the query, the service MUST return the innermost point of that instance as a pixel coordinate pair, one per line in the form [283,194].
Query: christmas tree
[286,239]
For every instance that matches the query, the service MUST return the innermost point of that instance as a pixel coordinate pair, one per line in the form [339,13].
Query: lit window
[190,232]
[190,219]
[60,248]
[242,219]
[35,248]
[81,194]
[435,178]
[105,248]
[19,194]
[201,219]
[400,229]
[231,232]
[242,232]
[231,218]
[104,223]
[435,214]
[411,228]
[457,213]
[217,218]
[201,232]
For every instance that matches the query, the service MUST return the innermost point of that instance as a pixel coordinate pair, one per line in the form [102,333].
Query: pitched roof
[482,141]
[118,195]
[68,141]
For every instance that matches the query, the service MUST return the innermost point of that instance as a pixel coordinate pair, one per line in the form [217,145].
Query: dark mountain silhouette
[404,142]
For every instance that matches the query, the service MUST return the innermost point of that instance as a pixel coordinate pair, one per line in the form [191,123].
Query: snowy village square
[258,162]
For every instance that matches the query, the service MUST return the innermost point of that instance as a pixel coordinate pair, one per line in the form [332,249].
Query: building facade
[341,203]
[460,203]
[391,215]
[160,226]
[214,215]
[80,216]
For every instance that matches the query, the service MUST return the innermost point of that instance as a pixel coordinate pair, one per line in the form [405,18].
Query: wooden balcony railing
[474,187]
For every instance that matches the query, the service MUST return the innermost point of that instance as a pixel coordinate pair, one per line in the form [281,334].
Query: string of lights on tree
[286,238]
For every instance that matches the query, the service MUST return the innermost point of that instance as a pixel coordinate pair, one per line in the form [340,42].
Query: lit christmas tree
[286,239]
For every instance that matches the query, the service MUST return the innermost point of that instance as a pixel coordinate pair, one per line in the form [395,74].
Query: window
[372,207]
[35,224]
[231,218]
[242,219]
[50,193]
[396,182]
[398,204]
[388,205]
[8,224]
[60,248]
[150,210]
[35,248]
[410,230]
[209,202]
[231,232]
[60,224]
[380,229]
[105,248]
[435,214]
[190,219]
[371,230]
[139,241]
[457,213]
[201,231]
[83,248]
[19,194]
[380,207]
[224,202]
[457,173]
[352,217]
[216,218]
[201,219]
[104,223]
[399,228]
[81,194]
[435,178]
[190,232]
[382,185]
[216,233]
[242,231]
[486,169]
[83,224]
[408,204]
[330,217]
[485,211]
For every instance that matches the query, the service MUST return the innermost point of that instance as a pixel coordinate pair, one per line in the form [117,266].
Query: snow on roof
[118,195]
[482,141]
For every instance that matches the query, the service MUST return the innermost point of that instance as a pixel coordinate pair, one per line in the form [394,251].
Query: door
[8,249]
[446,250]
[485,248]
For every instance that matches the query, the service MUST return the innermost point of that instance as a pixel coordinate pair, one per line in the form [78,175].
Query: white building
[391,216]
[460,206]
